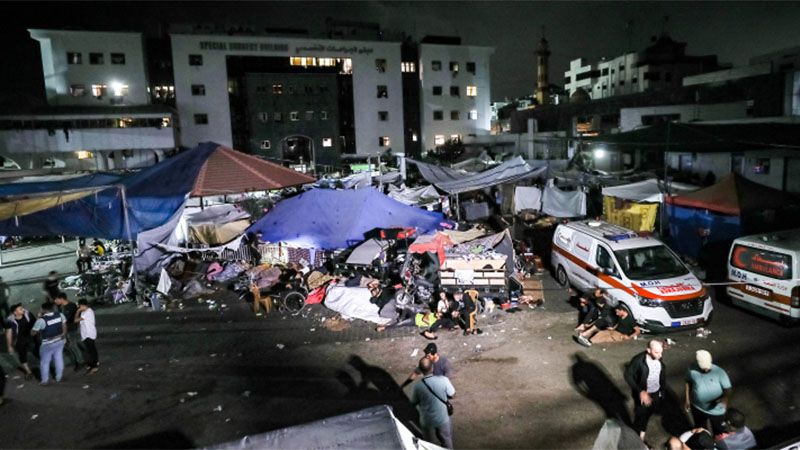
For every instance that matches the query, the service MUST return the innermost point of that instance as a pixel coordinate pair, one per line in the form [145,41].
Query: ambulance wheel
[561,276]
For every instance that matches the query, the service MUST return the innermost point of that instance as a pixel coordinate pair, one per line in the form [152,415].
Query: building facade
[454,92]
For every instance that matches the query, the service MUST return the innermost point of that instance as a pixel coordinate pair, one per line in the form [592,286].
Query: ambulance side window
[604,260]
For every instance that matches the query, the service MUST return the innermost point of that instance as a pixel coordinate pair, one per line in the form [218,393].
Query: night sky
[735,31]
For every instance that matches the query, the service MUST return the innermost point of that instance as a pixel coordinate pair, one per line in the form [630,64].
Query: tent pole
[127,218]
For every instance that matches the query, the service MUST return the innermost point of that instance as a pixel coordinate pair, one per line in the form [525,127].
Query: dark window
[77,90]
[567,80]
[383,92]
[605,71]
[612,71]
[471,67]
[119,58]
[453,66]
[263,117]
[786,66]
[278,116]
[95,58]
[309,115]
[198,89]
[380,65]
[195,60]
[634,80]
[323,115]
[454,91]
[436,65]
[438,115]
[652,76]
[622,82]
[587,74]
[309,90]
[437,90]
[454,115]
[74,58]
[621,67]
[383,116]
[291,90]
[668,77]
[201,119]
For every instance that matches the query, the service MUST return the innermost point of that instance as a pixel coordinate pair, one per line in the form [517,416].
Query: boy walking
[85,319]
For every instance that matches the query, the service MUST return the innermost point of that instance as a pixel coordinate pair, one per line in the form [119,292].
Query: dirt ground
[196,377]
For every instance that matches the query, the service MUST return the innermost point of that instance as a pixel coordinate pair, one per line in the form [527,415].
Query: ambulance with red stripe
[638,272]
[764,268]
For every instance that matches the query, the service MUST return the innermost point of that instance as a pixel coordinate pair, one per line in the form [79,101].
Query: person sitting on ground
[426,320]
[694,439]
[606,319]
[623,330]
[98,248]
[441,365]
[587,313]
[736,435]
[447,315]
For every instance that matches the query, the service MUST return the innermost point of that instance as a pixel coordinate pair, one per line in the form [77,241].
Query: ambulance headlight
[650,302]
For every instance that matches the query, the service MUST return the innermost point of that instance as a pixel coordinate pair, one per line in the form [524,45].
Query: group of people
[61,326]
[87,252]
[599,322]
[706,399]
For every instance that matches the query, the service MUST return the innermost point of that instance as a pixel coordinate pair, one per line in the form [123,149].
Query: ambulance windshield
[650,263]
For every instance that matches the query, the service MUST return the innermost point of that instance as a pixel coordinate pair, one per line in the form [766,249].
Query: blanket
[353,302]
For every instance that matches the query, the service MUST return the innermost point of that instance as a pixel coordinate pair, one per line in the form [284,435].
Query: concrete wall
[720,164]
[59,75]
[213,74]
[721,76]
[630,118]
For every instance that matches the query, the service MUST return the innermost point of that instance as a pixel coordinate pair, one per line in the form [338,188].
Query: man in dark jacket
[645,374]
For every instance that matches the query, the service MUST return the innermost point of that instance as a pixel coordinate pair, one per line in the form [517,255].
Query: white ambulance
[638,272]
[765,267]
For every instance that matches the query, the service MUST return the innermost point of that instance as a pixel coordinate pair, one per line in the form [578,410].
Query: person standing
[18,336]
[707,391]
[85,318]
[69,310]
[646,376]
[52,327]
[431,396]
[5,295]
[441,365]
[50,285]
[84,261]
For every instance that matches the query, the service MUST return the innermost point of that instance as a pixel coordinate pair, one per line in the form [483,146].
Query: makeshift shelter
[335,219]
[724,211]
[512,170]
[414,196]
[216,224]
[558,203]
[370,428]
[636,205]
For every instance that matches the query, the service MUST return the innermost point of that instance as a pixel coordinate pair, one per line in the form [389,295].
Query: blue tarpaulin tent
[333,219]
[152,196]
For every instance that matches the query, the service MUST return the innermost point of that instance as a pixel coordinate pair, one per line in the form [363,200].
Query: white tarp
[617,436]
[434,174]
[512,170]
[149,252]
[217,214]
[558,203]
[647,191]
[370,428]
[353,302]
[164,282]
[414,196]
[367,252]
[527,197]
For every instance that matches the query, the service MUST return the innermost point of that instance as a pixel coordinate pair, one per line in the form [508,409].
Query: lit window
[95,58]
[201,119]
[453,66]
[265,144]
[263,117]
[327,142]
[414,137]
[347,66]
[277,89]
[195,60]
[83,154]
[198,89]
[437,90]
[455,91]
[455,137]
[74,58]
[383,141]
[323,115]
[438,115]
[438,139]
[383,116]
[473,114]
[408,67]
[326,62]
[471,67]
[454,115]
[294,116]
[436,65]
[380,65]
[118,58]
[383,92]
[309,115]
[278,117]
[77,90]
[472,91]
[119,89]
[99,90]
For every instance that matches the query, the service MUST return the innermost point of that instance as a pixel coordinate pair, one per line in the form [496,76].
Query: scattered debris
[313,330]
[20,386]
[191,394]
[367,339]
[86,386]
[34,417]
[218,408]
[246,394]
[415,352]
[280,346]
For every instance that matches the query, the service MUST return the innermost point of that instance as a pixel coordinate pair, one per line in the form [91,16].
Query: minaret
[542,83]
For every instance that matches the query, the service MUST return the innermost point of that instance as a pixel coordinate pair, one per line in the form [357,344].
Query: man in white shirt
[85,319]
